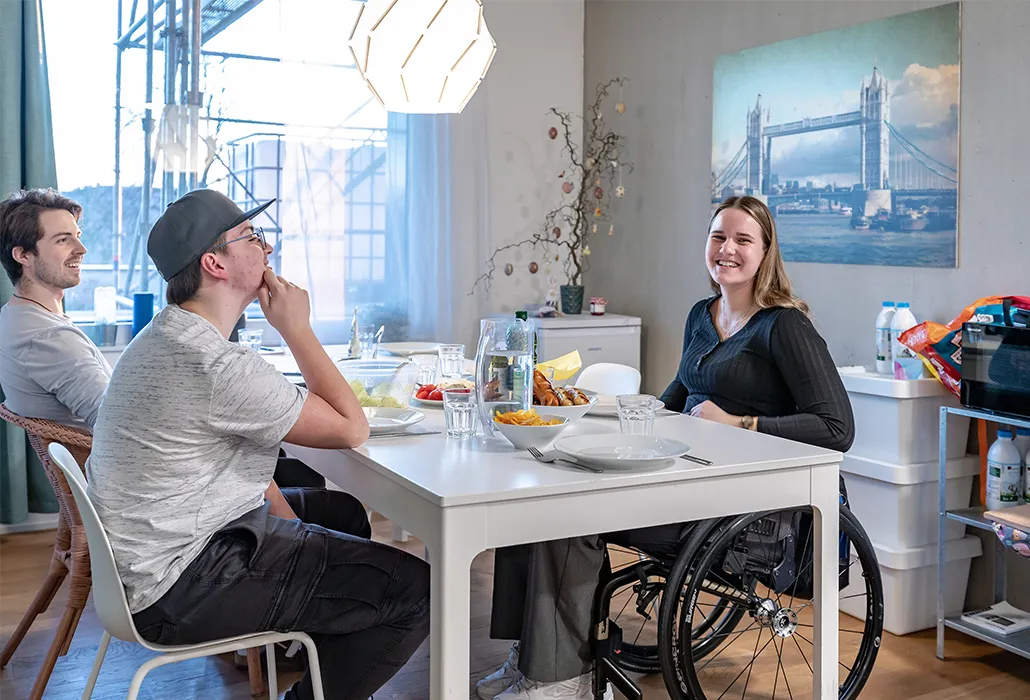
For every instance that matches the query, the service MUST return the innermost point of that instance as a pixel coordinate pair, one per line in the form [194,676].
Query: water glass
[636,413]
[452,361]
[426,365]
[250,338]
[459,413]
[369,345]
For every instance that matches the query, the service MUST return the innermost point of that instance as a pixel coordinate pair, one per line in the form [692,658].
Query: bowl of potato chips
[527,428]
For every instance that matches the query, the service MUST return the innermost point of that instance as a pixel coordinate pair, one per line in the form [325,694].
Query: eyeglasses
[256,233]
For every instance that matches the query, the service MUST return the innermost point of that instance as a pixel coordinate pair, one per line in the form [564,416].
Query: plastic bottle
[884,355]
[1023,445]
[902,321]
[1003,473]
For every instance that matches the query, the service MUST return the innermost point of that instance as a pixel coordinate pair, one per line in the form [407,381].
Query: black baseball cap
[190,225]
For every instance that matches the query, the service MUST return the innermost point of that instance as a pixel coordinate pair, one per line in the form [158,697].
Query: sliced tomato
[436,395]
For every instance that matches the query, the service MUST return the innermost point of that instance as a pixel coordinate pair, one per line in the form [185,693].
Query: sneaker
[578,688]
[501,679]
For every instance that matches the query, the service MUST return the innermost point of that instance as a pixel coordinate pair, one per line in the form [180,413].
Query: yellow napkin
[565,367]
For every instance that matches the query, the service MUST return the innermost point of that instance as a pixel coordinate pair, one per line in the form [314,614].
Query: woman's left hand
[709,411]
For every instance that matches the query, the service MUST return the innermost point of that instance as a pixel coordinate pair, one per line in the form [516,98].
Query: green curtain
[26,160]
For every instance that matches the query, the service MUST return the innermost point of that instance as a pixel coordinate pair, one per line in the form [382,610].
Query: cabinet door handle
[594,349]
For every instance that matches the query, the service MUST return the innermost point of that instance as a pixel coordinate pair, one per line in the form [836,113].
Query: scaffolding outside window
[253,98]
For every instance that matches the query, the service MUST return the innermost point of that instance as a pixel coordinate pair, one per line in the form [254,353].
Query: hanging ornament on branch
[590,182]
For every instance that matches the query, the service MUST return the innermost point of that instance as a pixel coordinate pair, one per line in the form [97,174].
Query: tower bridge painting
[851,137]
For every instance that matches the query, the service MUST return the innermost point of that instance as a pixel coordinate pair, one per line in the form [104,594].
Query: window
[284,114]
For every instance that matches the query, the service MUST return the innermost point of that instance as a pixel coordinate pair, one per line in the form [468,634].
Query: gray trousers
[544,594]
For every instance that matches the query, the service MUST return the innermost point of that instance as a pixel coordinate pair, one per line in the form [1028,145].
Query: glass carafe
[504,369]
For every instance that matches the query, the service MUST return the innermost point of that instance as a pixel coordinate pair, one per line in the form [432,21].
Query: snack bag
[941,346]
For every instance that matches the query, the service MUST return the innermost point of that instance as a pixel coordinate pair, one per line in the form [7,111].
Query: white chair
[609,379]
[113,609]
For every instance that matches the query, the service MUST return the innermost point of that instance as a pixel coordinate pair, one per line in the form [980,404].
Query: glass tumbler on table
[636,413]
[452,361]
[459,413]
[250,338]
[426,368]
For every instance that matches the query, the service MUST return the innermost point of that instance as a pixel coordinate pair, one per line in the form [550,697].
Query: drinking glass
[452,361]
[459,413]
[369,345]
[250,338]
[636,413]
[426,368]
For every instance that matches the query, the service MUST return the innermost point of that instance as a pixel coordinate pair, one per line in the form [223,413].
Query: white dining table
[464,496]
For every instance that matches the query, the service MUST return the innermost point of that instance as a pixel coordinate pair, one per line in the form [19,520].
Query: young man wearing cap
[183,453]
[49,368]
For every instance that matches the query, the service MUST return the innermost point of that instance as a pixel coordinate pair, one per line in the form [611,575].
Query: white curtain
[446,213]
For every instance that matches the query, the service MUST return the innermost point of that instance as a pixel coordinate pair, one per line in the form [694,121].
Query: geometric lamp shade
[422,56]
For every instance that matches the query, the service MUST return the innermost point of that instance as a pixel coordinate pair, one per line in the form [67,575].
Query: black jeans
[365,604]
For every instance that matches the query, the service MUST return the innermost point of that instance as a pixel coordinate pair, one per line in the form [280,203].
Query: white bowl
[570,412]
[525,436]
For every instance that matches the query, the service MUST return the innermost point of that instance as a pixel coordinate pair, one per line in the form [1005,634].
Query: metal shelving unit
[1018,643]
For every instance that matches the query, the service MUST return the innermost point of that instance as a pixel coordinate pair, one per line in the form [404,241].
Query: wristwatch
[747,422]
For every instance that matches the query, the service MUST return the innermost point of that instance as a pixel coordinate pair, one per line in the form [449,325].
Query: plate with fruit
[432,394]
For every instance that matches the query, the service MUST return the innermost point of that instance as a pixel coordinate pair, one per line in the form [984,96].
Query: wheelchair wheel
[761,644]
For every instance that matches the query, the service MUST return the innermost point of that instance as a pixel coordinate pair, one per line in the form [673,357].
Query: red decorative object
[533,268]
[598,193]
[566,187]
[556,231]
[553,133]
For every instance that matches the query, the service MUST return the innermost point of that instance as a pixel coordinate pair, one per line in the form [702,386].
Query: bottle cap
[902,304]
[1007,434]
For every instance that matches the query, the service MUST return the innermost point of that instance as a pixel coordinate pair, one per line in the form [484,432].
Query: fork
[551,457]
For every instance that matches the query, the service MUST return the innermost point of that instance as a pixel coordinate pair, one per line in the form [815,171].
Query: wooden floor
[905,669]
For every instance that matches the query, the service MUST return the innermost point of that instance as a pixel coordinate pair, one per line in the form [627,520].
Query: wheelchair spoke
[750,664]
[758,639]
[793,584]
[724,646]
[802,654]
[801,624]
[781,669]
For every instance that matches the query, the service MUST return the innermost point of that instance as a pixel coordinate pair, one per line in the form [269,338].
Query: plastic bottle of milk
[884,356]
[902,321]
[1003,473]
[1023,445]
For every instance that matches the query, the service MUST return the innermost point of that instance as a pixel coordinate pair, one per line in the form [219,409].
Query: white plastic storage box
[898,504]
[909,585]
[898,420]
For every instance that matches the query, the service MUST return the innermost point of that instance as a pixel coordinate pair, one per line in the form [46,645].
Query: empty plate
[391,420]
[618,451]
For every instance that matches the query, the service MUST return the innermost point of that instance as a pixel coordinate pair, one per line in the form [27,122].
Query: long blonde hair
[772,285]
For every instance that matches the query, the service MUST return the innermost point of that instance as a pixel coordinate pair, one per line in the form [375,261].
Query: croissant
[577,396]
[564,397]
[543,392]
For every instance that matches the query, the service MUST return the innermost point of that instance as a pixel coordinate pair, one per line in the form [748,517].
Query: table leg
[449,622]
[826,508]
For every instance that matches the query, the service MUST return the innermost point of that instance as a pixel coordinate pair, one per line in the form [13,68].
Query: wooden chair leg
[257,686]
[71,631]
[70,615]
[39,604]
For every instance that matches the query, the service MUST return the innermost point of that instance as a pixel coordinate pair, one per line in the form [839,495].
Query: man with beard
[49,368]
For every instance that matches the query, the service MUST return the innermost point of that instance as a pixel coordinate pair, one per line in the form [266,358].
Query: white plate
[410,348]
[617,451]
[391,420]
[272,351]
[427,403]
[606,406]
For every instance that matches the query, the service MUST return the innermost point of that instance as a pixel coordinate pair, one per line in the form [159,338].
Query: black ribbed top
[776,368]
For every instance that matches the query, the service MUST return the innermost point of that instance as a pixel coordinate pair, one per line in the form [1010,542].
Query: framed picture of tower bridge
[851,136]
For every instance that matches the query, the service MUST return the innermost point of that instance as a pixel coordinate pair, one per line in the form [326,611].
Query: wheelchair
[731,615]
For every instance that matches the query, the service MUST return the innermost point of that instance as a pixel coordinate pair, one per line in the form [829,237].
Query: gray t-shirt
[186,442]
[49,368]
